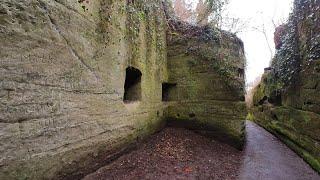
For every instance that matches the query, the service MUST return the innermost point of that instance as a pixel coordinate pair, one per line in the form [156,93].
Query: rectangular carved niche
[168,90]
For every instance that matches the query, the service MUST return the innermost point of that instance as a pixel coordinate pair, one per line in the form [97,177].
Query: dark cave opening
[167,91]
[132,86]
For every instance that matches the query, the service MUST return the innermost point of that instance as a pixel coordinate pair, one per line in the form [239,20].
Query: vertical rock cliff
[287,101]
[81,81]
[63,70]
[206,67]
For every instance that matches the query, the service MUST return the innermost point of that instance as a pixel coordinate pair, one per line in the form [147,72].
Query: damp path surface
[175,153]
[182,154]
[267,158]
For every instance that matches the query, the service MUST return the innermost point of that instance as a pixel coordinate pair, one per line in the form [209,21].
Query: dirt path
[175,154]
[267,158]
[182,154]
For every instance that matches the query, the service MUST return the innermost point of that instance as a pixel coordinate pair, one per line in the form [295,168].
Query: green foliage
[250,117]
[145,23]
[300,43]
[215,9]
[286,62]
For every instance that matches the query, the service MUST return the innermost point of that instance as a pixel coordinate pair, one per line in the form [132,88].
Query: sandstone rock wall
[207,67]
[62,74]
[82,81]
[287,100]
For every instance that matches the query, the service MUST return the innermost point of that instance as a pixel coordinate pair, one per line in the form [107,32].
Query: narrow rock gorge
[287,101]
[82,81]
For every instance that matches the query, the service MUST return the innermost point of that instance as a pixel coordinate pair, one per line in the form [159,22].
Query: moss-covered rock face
[287,101]
[80,81]
[62,75]
[207,67]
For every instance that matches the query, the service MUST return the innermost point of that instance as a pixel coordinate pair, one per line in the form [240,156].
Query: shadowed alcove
[167,90]
[132,86]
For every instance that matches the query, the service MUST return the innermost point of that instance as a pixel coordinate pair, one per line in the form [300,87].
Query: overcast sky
[256,12]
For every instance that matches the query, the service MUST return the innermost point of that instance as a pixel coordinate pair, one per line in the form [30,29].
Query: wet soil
[175,153]
[182,154]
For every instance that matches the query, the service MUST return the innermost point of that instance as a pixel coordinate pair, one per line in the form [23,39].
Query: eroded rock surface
[206,66]
[62,75]
[82,79]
